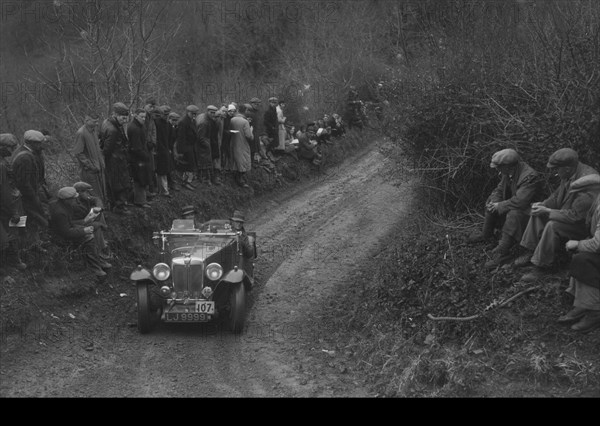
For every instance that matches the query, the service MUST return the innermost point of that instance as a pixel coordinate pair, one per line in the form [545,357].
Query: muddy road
[311,243]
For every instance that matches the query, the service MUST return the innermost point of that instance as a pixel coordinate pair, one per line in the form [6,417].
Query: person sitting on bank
[237,225]
[559,218]
[507,207]
[90,211]
[584,284]
[62,223]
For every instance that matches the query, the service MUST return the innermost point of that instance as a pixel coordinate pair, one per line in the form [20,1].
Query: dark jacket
[61,221]
[114,141]
[27,177]
[270,123]
[519,191]
[139,156]
[187,136]
[571,207]
[163,151]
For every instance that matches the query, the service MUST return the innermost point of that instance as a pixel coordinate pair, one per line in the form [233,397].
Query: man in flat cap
[209,151]
[115,148]
[254,115]
[558,218]
[240,146]
[185,143]
[139,158]
[507,208]
[173,177]
[27,176]
[89,155]
[88,210]
[162,161]
[9,207]
[271,124]
[65,228]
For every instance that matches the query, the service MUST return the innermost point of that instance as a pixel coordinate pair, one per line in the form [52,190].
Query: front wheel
[237,308]
[143,309]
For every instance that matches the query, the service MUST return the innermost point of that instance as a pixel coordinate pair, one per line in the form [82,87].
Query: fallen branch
[487,309]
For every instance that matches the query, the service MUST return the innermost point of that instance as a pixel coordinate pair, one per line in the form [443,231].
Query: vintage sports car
[202,275]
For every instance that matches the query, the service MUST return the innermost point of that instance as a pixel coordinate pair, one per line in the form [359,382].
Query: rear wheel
[237,308]
[145,317]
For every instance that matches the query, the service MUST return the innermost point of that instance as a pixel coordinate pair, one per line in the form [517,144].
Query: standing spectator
[26,172]
[61,214]
[115,148]
[187,136]
[558,218]
[150,135]
[82,214]
[139,158]
[204,159]
[173,125]
[163,161]
[9,211]
[89,156]
[281,132]
[254,117]
[508,206]
[208,127]
[240,147]
[226,158]
[271,125]
[584,284]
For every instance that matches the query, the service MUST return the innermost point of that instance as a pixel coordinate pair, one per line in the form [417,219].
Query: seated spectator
[308,147]
[61,219]
[584,284]
[507,207]
[337,126]
[323,133]
[559,218]
[89,211]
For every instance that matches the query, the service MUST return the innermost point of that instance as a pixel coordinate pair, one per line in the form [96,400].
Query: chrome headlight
[214,271]
[161,271]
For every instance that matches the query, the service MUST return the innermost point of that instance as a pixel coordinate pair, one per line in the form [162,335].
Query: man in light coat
[89,156]
[240,146]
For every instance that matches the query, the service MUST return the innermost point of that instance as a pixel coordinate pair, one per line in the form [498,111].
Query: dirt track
[310,242]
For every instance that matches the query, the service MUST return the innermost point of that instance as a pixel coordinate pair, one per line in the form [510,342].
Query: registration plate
[186,317]
[205,307]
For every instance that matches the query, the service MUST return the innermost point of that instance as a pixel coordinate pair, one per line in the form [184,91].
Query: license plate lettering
[205,307]
[186,317]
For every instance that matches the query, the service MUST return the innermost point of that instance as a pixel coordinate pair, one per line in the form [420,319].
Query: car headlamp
[214,271]
[161,271]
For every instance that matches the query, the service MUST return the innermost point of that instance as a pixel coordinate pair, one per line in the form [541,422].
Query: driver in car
[237,225]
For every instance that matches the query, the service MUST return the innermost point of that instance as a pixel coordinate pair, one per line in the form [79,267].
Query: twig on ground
[472,317]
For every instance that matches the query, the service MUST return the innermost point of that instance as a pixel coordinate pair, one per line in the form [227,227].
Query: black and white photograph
[300,199]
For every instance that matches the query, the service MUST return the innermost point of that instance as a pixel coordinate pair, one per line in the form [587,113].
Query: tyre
[145,317]
[237,308]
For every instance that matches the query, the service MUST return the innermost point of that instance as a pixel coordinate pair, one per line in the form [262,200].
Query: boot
[487,233]
[590,321]
[501,254]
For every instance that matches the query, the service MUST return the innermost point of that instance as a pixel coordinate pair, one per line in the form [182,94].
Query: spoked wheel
[146,316]
[237,308]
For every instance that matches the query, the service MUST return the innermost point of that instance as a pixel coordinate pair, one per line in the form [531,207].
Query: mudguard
[142,274]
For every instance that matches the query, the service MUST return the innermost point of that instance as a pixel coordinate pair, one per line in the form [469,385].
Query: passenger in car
[237,224]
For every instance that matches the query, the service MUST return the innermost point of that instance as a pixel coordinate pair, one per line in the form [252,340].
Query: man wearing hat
[172,177]
[237,225]
[63,225]
[240,146]
[558,218]
[584,283]
[115,148]
[89,155]
[253,113]
[9,207]
[86,203]
[162,161]
[270,123]
[207,150]
[184,148]
[27,177]
[507,207]
[139,158]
